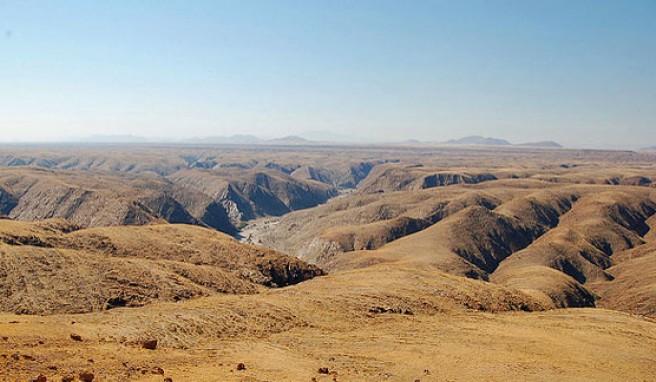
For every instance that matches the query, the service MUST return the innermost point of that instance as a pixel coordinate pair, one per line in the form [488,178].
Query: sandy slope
[288,334]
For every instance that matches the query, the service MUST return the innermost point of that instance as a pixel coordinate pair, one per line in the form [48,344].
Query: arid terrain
[326,263]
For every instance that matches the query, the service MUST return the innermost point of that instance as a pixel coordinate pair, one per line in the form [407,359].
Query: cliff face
[7,201]
[247,195]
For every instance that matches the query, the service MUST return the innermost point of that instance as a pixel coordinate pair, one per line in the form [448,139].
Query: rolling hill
[54,267]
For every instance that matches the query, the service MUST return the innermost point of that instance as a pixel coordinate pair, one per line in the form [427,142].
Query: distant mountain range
[321,137]
[479,140]
[490,141]
[289,140]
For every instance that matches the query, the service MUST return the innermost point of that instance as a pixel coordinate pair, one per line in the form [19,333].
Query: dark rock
[76,337]
[241,366]
[158,370]
[324,370]
[150,344]
[87,377]
[380,310]
[40,378]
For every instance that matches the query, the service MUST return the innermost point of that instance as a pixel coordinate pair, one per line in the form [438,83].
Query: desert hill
[105,199]
[54,267]
[514,232]
[384,321]
[397,177]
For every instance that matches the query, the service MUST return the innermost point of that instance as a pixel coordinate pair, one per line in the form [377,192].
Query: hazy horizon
[581,73]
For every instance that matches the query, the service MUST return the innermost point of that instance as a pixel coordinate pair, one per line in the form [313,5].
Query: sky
[582,73]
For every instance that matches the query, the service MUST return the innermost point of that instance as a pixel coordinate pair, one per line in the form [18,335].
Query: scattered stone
[382,309]
[87,377]
[67,378]
[5,338]
[426,371]
[40,378]
[168,379]
[15,357]
[76,337]
[150,344]
[158,370]
[52,367]
[90,360]
[241,366]
[324,370]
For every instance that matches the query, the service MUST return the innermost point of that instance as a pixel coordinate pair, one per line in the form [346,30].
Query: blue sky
[579,72]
